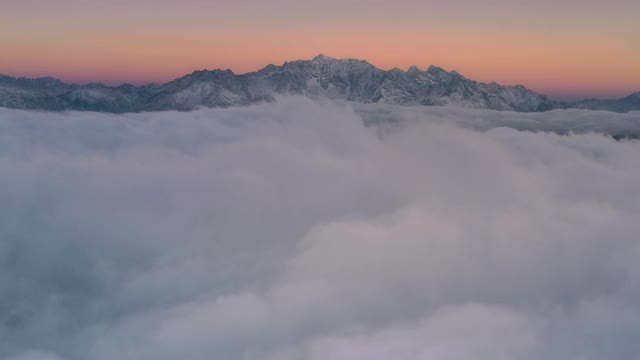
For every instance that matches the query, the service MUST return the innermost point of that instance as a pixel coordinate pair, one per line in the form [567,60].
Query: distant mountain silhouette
[323,76]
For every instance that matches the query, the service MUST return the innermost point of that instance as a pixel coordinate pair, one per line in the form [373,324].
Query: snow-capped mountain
[323,76]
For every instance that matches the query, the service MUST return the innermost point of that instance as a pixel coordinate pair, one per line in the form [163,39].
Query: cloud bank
[292,231]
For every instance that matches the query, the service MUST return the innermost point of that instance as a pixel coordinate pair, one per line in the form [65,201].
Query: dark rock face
[345,79]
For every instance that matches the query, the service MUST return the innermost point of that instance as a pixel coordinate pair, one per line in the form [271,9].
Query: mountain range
[322,76]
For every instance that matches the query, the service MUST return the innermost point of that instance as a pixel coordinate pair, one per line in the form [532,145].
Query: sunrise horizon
[552,93]
[569,50]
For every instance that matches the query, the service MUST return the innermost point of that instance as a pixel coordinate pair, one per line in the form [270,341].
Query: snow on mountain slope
[322,76]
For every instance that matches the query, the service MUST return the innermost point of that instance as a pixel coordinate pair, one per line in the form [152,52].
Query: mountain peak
[432,69]
[345,79]
[322,58]
[414,69]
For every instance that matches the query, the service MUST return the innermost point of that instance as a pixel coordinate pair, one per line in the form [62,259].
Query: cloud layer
[292,231]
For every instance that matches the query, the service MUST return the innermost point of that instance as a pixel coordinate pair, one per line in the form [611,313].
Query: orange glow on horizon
[569,64]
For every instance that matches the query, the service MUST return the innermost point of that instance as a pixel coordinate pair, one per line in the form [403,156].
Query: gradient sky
[566,49]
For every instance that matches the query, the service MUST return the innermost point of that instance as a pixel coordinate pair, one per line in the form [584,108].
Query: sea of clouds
[292,231]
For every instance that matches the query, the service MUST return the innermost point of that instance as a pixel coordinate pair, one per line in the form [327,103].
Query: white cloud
[291,231]
[34,355]
[558,121]
[464,332]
